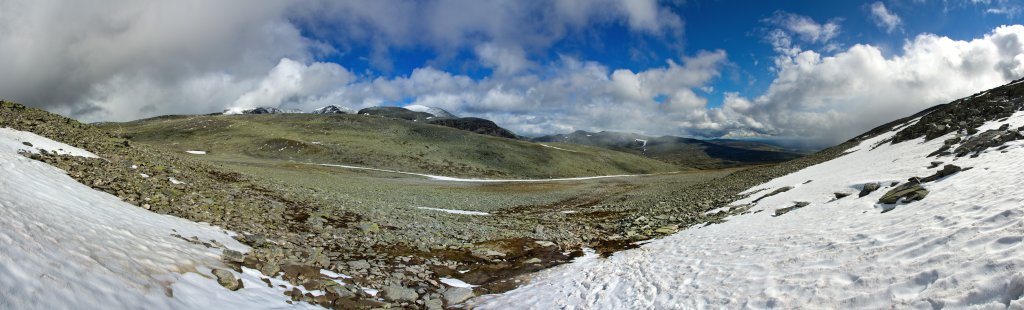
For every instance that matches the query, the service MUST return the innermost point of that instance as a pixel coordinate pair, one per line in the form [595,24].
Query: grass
[379,143]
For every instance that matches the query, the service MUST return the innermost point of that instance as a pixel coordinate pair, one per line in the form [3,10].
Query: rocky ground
[295,232]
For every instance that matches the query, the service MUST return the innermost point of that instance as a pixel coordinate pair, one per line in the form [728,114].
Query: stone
[456,295]
[667,229]
[947,170]
[227,279]
[26,143]
[233,256]
[359,264]
[908,192]
[400,293]
[433,304]
[840,195]
[868,188]
[368,227]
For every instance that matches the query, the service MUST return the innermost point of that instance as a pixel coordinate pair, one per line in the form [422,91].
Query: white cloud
[121,59]
[832,98]
[504,60]
[293,84]
[791,28]
[883,18]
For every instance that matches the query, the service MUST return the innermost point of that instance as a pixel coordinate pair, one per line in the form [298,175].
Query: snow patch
[959,247]
[196,152]
[557,148]
[67,246]
[455,211]
[451,179]
[456,283]
[12,141]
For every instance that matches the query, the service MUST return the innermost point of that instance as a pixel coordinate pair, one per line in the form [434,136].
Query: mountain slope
[379,143]
[704,154]
[919,213]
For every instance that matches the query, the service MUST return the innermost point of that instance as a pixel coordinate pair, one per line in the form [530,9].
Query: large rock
[233,256]
[400,293]
[227,279]
[869,188]
[908,192]
[946,171]
[455,295]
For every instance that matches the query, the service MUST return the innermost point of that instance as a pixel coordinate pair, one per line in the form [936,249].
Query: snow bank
[67,246]
[464,212]
[958,247]
[452,179]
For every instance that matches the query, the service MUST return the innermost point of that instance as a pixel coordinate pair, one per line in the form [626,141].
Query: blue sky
[737,27]
[814,71]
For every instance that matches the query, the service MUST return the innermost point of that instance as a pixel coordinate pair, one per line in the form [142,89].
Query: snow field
[959,247]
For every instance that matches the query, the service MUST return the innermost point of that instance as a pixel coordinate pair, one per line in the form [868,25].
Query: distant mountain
[258,110]
[477,125]
[437,112]
[333,109]
[473,124]
[704,154]
[396,112]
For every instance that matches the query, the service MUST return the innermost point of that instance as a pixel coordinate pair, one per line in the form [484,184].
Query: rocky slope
[704,154]
[918,213]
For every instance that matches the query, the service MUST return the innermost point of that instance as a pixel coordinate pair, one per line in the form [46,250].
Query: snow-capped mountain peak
[334,109]
[436,112]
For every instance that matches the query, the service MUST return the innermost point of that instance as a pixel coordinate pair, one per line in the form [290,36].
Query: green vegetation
[378,142]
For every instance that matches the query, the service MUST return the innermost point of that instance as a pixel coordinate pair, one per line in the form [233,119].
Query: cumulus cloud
[448,26]
[883,18]
[129,59]
[832,98]
[121,59]
[790,28]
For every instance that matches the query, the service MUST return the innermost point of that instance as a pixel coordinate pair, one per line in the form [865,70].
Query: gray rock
[227,279]
[868,188]
[908,192]
[359,264]
[434,304]
[233,256]
[455,295]
[400,293]
[946,171]
[840,195]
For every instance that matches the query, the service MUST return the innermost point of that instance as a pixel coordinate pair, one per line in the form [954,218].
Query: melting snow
[961,246]
[456,283]
[455,211]
[196,152]
[67,246]
[451,179]
[557,148]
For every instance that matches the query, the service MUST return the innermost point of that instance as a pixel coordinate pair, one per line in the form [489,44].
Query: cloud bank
[127,59]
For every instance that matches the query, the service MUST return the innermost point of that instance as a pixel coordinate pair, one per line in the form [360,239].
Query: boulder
[227,279]
[908,192]
[233,256]
[869,188]
[946,171]
[456,295]
[400,293]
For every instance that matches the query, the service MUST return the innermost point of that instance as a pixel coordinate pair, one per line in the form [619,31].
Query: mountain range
[688,152]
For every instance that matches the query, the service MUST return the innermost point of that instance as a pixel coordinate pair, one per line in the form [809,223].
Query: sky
[819,72]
